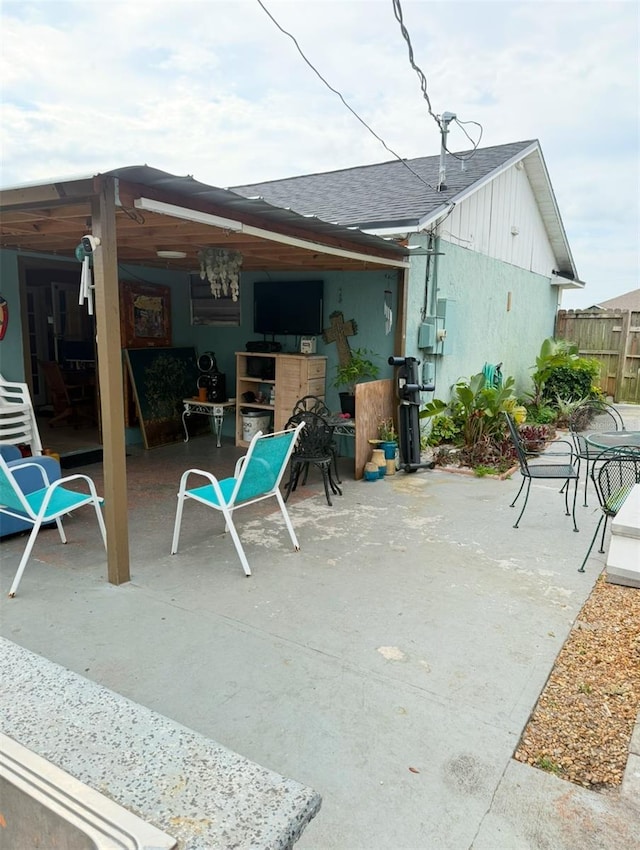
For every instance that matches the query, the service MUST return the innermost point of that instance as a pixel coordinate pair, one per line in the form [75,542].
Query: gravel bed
[582,724]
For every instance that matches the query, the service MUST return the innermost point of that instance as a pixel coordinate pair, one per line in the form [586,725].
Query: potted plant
[358,368]
[389,437]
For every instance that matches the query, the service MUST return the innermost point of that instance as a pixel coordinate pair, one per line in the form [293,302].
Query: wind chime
[221,267]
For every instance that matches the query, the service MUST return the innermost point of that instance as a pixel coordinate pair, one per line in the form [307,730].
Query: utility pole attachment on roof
[445,119]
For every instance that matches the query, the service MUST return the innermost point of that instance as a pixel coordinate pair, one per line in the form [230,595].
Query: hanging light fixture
[221,267]
[171,255]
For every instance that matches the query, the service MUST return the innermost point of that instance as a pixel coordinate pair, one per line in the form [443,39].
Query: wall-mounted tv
[291,307]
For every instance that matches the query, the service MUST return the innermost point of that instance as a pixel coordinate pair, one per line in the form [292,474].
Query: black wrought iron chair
[587,418]
[313,404]
[614,473]
[314,448]
[555,470]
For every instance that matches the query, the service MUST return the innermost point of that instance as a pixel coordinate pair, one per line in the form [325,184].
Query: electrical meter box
[446,313]
[427,333]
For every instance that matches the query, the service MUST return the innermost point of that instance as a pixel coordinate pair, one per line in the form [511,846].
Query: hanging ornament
[388,311]
[86,279]
[221,267]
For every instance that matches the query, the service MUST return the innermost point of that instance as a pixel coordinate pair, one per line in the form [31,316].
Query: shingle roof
[386,194]
[627,301]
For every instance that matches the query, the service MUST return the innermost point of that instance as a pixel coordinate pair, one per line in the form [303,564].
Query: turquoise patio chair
[43,506]
[256,477]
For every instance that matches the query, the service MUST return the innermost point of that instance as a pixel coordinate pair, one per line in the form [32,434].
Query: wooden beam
[107,305]
[51,194]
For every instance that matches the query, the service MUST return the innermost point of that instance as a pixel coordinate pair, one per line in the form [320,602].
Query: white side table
[215,410]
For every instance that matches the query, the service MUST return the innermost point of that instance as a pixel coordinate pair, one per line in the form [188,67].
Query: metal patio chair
[256,477]
[313,404]
[614,473]
[565,472]
[315,448]
[587,418]
[39,507]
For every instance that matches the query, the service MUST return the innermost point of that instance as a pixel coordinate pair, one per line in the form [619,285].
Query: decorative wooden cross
[338,333]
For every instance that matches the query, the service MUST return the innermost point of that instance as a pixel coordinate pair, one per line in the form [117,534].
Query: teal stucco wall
[501,314]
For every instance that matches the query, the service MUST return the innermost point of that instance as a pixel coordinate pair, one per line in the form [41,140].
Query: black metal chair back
[614,473]
[560,471]
[518,445]
[589,418]
[311,404]
[314,447]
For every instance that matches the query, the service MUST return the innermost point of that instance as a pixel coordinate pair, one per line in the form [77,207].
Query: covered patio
[391,664]
[135,215]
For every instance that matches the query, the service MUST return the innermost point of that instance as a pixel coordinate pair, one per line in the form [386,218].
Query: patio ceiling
[50,218]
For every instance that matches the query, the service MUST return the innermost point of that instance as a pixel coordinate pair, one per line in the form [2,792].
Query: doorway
[58,329]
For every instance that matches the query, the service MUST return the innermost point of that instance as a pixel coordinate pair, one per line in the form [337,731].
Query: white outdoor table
[215,410]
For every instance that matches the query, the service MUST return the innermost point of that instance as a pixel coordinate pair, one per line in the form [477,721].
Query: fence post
[622,357]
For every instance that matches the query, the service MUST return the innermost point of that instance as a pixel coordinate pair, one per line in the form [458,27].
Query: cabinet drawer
[316,387]
[316,368]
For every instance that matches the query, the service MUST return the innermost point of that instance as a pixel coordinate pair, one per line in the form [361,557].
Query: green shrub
[560,373]
[475,408]
[444,430]
[570,382]
[542,414]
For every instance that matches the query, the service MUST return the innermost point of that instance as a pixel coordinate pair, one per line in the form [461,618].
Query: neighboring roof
[50,217]
[388,196]
[627,301]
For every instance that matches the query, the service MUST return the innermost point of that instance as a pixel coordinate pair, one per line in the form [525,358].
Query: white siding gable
[484,221]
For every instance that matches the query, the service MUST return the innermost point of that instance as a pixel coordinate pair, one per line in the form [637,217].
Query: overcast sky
[215,90]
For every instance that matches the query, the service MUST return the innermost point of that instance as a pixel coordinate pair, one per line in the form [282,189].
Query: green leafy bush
[475,408]
[572,382]
[560,371]
[444,430]
[474,419]
[542,414]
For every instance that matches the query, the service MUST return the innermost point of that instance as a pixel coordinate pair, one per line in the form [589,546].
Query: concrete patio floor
[392,664]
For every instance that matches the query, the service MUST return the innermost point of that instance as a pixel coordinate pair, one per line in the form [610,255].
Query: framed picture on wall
[206,309]
[145,315]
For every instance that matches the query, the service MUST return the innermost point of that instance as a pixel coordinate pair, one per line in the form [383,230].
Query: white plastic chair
[256,477]
[43,506]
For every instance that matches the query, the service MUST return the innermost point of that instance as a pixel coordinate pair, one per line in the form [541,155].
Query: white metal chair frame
[230,494]
[49,504]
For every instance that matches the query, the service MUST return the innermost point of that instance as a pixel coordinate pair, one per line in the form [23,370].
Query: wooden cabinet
[277,381]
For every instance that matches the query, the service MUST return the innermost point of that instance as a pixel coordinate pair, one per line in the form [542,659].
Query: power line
[397,10]
[335,91]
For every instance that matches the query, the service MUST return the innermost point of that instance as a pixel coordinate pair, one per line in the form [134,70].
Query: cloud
[213,89]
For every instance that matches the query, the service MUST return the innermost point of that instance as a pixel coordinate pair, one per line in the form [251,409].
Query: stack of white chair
[19,435]
[18,424]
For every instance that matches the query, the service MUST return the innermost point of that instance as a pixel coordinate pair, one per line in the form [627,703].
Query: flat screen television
[291,307]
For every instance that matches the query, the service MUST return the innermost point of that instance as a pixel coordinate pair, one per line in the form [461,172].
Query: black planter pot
[348,404]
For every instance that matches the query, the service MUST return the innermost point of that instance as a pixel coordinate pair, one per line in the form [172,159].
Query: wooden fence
[613,338]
